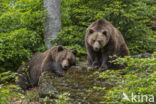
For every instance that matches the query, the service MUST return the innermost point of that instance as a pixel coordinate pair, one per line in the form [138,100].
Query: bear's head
[66,57]
[98,35]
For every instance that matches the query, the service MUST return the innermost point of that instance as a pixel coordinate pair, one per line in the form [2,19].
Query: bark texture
[52,21]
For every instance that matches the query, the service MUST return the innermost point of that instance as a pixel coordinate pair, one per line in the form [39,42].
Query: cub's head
[66,57]
[98,35]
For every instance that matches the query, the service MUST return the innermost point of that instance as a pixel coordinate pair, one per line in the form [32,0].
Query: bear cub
[103,40]
[57,59]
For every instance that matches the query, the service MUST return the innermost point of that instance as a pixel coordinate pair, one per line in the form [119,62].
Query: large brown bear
[57,59]
[103,40]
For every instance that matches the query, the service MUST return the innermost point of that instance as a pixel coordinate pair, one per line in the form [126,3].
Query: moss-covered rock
[79,81]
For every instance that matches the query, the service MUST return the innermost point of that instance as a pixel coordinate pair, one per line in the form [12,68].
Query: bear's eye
[69,59]
[99,41]
[104,33]
[91,31]
[93,41]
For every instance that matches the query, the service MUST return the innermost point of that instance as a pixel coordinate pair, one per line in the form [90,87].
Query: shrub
[21,31]
[139,79]
[8,93]
[6,77]
[16,46]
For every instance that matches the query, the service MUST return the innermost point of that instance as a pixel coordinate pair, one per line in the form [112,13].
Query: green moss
[79,83]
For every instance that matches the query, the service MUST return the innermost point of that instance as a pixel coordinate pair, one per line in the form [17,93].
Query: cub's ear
[74,51]
[60,48]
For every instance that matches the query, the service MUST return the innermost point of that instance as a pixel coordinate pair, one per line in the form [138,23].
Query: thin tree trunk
[52,21]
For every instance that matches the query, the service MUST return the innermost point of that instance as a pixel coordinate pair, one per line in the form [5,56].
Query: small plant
[7,77]
[32,96]
[8,93]
[63,98]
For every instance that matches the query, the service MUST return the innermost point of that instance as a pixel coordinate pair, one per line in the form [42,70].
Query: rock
[45,85]
[78,81]
[143,55]
[76,67]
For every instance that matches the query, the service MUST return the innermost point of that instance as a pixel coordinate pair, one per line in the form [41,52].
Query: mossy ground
[83,84]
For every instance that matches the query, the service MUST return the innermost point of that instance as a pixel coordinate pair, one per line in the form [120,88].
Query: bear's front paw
[95,64]
[104,67]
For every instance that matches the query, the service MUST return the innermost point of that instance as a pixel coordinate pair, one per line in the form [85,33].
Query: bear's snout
[65,67]
[65,64]
[96,46]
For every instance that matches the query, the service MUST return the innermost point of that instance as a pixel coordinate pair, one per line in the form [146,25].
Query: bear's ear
[104,33]
[91,31]
[74,51]
[60,48]
[101,22]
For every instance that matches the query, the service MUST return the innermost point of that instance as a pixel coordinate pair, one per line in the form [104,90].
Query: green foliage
[21,31]
[139,78]
[8,93]
[130,17]
[7,77]
[17,46]
[141,64]
[32,96]
[63,98]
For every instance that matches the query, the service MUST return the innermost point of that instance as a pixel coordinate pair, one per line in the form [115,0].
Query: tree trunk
[52,21]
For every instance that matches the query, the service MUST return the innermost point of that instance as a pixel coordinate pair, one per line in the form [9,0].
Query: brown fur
[113,43]
[51,60]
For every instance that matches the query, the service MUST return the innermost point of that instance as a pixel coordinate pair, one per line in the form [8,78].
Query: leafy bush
[7,77]
[21,31]
[17,46]
[139,78]
[8,93]
[130,17]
